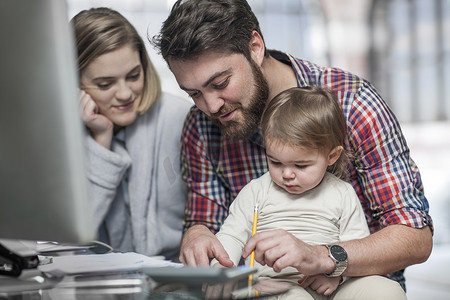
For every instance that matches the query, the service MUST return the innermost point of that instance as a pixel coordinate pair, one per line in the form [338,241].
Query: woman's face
[115,81]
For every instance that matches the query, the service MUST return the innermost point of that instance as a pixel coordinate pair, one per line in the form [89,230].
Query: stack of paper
[101,263]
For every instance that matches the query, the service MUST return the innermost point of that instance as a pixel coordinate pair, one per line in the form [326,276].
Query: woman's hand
[101,127]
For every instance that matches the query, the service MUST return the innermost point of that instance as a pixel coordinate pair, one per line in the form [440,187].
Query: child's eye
[300,166]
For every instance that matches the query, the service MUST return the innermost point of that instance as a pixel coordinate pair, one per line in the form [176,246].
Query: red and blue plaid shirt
[382,172]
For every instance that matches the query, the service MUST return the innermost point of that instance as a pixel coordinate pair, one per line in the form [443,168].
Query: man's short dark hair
[196,26]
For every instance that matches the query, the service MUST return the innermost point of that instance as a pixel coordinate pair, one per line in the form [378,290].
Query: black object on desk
[12,264]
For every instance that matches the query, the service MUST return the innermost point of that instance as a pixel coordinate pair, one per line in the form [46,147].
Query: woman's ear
[257,47]
[334,155]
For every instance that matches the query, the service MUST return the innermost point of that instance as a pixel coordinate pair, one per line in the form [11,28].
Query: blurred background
[401,46]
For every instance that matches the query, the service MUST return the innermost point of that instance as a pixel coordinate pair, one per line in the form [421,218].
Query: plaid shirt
[384,176]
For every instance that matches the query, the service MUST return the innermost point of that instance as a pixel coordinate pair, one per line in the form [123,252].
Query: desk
[129,285]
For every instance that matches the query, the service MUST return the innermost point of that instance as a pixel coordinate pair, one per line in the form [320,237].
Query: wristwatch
[339,256]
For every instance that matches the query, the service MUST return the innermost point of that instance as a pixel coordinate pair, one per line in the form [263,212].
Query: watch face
[338,253]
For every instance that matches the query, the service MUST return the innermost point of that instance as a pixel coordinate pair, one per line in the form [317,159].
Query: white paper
[101,263]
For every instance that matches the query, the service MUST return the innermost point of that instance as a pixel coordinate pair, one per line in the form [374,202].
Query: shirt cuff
[408,216]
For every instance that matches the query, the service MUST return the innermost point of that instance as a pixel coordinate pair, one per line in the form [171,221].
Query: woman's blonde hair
[102,30]
[307,117]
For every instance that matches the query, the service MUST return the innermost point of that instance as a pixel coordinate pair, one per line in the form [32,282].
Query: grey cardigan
[136,188]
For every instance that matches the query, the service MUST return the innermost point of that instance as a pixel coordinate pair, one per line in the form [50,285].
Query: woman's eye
[134,77]
[104,85]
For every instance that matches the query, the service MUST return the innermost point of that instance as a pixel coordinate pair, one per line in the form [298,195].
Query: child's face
[296,169]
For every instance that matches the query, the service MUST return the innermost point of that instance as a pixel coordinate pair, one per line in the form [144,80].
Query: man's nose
[213,102]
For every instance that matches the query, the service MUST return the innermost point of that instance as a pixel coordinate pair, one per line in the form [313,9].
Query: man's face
[228,88]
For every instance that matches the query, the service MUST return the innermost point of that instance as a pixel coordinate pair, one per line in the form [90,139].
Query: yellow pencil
[252,256]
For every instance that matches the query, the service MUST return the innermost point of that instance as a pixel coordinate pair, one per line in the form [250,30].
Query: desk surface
[130,285]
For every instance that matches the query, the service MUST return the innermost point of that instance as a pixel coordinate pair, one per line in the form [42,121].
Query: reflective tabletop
[131,285]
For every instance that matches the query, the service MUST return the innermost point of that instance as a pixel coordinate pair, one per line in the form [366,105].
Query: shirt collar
[292,62]
[257,138]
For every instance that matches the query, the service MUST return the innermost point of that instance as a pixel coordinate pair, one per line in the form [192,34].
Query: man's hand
[279,249]
[199,245]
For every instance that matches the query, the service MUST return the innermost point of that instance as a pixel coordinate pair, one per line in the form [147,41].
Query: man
[217,53]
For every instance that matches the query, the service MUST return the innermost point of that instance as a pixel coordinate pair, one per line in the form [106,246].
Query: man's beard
[251,116]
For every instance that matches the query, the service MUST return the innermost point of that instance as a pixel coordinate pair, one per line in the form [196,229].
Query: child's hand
[322,284]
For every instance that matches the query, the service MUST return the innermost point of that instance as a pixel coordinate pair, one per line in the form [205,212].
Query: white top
[329,213]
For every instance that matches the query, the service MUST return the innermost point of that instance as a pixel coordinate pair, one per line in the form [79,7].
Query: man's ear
[257,47]
[334,155]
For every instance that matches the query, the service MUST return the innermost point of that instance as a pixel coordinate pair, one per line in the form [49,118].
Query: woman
[133,143]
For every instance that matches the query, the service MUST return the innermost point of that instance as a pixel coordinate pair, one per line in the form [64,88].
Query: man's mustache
[225,109]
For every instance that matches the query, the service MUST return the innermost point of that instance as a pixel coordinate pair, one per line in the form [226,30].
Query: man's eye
[194,94]
[222,84]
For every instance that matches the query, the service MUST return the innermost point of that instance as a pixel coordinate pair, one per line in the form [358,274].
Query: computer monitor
[43,185]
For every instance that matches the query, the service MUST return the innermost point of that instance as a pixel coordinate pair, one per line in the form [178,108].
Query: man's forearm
[391,249]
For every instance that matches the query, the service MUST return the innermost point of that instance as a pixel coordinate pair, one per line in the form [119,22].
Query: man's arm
[203,213]
[207,202]
[391,249]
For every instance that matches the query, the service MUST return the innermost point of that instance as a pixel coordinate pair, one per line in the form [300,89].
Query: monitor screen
[43,185]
